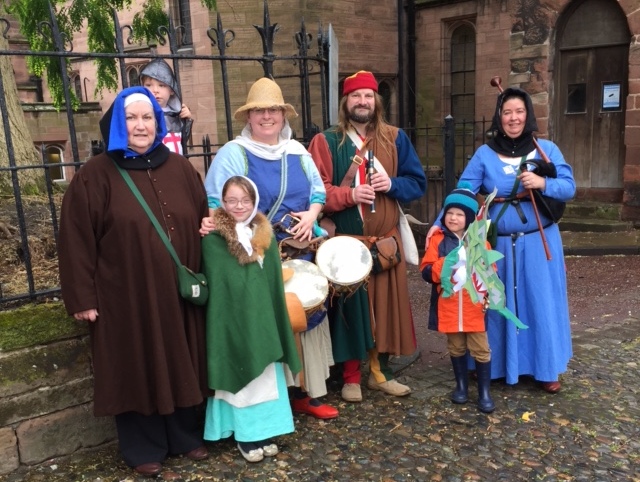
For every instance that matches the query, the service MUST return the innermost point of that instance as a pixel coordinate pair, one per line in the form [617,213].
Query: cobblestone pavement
[588,432]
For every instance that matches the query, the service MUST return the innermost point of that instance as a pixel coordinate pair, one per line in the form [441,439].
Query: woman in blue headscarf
[147,342]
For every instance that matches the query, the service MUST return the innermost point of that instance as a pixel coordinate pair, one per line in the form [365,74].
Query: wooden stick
[543,154]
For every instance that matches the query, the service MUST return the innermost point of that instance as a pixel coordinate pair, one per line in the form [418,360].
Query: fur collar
[262,234]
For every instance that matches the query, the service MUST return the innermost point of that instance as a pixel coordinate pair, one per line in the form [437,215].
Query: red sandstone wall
[515,40]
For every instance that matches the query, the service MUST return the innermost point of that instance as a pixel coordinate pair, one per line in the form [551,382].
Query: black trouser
[151,438]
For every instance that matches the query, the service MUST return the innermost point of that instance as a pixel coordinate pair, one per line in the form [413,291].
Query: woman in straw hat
[289,183]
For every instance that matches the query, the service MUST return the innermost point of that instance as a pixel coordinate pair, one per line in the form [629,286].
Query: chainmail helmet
[158,69]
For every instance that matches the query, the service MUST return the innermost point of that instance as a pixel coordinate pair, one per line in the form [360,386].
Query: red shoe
[324,411]
[550,387]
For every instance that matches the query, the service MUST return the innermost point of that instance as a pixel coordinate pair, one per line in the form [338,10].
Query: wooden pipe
[496,81]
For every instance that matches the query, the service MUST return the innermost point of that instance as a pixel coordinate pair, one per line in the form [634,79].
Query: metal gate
[310,61]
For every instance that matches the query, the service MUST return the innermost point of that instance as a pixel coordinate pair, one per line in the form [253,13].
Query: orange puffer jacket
[456,313]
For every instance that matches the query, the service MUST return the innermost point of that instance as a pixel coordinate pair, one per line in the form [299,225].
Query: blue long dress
[536,289]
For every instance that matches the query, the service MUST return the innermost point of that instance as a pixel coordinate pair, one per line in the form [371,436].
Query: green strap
[511,194]
[147,210]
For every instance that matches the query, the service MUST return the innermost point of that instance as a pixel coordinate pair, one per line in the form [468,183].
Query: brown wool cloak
[147,344]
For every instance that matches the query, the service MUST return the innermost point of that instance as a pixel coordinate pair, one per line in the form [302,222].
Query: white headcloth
[136,97]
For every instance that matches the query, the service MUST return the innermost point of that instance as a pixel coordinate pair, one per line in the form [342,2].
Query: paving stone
[587,432]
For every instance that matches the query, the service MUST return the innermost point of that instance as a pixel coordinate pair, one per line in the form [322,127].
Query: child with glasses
[290,186]
[249,338]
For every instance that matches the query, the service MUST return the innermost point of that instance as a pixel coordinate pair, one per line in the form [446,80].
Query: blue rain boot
[461,392]
[485,403]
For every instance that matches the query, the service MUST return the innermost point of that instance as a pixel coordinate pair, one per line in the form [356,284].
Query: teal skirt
[250,424]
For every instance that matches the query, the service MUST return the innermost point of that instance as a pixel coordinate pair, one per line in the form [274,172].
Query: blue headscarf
[114,124]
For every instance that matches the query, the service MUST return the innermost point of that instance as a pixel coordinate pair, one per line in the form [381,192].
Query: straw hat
[297,315]
[264,93]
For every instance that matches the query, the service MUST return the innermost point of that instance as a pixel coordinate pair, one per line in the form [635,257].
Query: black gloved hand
[542,168]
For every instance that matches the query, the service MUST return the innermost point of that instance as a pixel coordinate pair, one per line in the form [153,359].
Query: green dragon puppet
[472,257]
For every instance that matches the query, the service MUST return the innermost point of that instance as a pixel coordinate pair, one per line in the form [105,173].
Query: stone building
[579,60]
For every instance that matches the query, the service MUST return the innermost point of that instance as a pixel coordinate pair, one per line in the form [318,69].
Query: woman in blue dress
[535,286]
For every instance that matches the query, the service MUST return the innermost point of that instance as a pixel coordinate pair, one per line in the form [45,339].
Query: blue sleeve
[229,161]
[411,182]
[562,187]
[474,172]
[318,193]
[426,274]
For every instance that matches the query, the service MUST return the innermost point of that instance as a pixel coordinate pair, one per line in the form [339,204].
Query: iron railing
[444,149]
[308,62]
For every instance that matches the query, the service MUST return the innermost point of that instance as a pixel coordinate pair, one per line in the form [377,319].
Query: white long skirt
[317,358]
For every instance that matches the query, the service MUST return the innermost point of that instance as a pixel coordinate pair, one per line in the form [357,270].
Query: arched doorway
[592,60]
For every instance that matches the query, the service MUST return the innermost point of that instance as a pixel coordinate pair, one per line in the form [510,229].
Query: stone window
[180,14]
[463,73]
[133,74]
[384,89]
[53,157]
[76,85]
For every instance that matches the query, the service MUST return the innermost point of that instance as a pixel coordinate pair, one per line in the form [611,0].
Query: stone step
[593,225]
[593,210]
[603,243]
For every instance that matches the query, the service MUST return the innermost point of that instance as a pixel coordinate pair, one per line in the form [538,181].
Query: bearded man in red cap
[373,323]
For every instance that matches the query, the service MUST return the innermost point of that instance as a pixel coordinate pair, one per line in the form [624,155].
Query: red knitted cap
[359,80]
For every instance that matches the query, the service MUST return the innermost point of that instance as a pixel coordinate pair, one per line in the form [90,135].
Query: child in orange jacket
[457,315]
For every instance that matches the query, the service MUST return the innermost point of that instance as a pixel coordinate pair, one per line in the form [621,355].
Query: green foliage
[94,15]
[145,26]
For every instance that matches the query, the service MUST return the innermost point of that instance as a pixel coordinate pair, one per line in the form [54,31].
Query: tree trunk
[24,152]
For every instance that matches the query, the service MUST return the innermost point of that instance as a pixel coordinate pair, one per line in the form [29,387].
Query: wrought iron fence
[444,149]
[28,237]
[27,219]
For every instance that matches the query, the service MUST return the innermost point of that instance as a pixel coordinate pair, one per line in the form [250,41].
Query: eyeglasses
[246,202]
[270,110]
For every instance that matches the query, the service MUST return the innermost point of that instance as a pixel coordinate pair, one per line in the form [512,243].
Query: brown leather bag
[293,249]
[385,253]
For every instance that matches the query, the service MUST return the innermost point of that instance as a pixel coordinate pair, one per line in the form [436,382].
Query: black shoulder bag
[550,207]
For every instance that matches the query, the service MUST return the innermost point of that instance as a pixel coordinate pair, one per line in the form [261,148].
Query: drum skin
[308,283]
[345,261]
